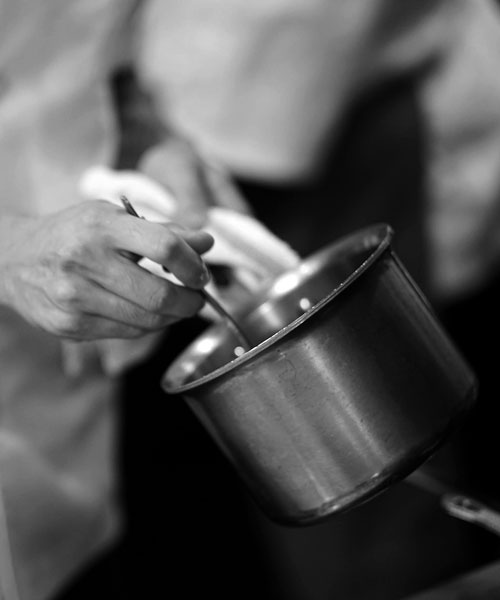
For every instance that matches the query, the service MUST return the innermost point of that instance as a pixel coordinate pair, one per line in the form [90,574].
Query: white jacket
[261,85]
[57,498]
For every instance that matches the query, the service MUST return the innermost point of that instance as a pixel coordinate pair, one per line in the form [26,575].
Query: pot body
[351,385]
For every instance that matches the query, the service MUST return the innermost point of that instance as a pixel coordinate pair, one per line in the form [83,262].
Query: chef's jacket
[264,85]
[58,503]
[58,507]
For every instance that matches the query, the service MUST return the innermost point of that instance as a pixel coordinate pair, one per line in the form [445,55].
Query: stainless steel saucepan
[351,382]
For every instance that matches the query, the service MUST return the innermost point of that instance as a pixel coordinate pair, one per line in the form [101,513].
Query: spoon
[230,321]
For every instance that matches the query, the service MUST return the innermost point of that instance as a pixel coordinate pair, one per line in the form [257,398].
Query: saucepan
[350,382]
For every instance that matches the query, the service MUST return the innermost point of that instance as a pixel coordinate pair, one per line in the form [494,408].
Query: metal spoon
[230,321]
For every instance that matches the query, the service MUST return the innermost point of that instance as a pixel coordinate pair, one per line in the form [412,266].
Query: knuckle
[95,213]
[70,257]
[160,298]
[169,247]
[95,223]
[75,254]
[90,220]
[65,293]
[69,254]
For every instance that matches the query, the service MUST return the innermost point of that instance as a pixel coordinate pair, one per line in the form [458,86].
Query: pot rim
[384,234]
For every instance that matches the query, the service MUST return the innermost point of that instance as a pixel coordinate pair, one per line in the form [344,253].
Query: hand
[70,273]
[245,252]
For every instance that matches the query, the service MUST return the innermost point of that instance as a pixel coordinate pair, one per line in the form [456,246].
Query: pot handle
[469,509]
[456,503]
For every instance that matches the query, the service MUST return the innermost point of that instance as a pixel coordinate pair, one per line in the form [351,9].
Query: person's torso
[55,115]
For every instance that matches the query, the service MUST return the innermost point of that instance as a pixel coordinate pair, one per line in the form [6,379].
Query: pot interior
[286,302]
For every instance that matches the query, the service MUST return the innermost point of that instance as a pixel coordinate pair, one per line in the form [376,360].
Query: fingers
[83,311]
[200,241]
[107,285]
[154,294]
[169,245]
[92,327]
